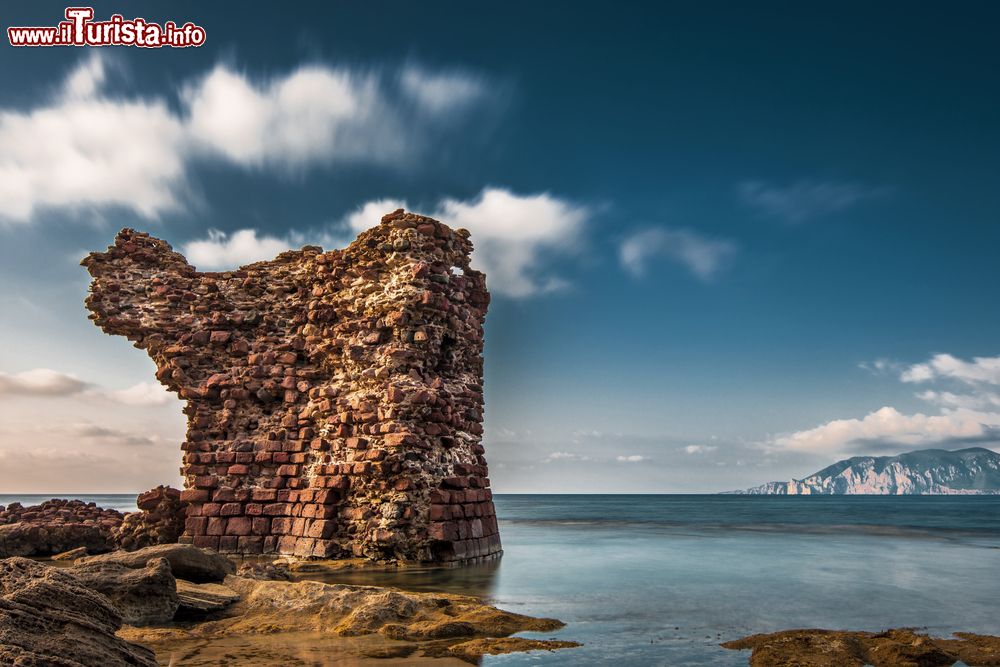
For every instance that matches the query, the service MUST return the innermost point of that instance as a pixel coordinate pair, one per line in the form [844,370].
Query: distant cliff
[929,471]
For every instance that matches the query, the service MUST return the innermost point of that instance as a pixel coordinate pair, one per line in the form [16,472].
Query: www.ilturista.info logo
[79,29]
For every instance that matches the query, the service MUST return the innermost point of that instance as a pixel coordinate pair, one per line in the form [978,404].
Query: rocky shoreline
[104,602]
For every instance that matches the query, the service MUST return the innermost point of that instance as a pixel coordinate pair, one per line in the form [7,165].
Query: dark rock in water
[47,618]
[30,539]
[971,471]
[160,520]
[72,554]
[55,526]
[265,571]
[893,648]
[146,596]
[186,561]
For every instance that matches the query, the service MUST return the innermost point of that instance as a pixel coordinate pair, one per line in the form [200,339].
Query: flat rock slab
[204,598]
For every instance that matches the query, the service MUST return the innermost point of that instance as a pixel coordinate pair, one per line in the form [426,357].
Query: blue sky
[727,244]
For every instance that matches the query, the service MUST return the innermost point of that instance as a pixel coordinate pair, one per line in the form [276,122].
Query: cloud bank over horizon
[969,415]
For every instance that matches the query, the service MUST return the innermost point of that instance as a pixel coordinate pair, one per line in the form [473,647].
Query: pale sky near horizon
[726,245]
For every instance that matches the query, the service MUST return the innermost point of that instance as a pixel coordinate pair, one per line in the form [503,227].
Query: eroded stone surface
[47,617]
[334,399]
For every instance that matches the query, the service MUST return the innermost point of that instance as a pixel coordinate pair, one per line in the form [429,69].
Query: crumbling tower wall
[334,399]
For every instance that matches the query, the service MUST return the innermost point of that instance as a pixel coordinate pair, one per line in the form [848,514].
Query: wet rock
[472,651]
[892,648]
[430,622]
[144,596]
[277,571]
[72,554]
[47,618]
[186,562]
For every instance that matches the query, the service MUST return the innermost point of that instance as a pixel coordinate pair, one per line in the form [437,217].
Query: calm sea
[661,580]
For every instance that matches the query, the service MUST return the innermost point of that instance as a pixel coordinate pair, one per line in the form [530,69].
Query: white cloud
[804,200]
[86,149]
[370,213]
[227,251]
[699,449]
[314,114]
[564,456]
[514,237]
[442,92]
[143,394]
[40,382]
[632,458]
[981,370]
[702,256]
[888,425]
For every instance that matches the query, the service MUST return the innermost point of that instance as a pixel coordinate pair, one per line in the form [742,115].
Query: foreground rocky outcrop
[56,526]
[334,399]
[431,624]
[893,648]
[48,618]
[144,596]
[972,471]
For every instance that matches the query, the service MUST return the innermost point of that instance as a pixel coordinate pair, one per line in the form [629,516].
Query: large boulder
[186,561]
[47,618]
[144,596]
[160,520]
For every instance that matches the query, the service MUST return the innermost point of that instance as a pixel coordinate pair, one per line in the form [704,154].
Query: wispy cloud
[631,458]
[564,456]
[702,256]
[981,370]
[86,149]
[47,383]
[699,449]
[41,382]
[804,200]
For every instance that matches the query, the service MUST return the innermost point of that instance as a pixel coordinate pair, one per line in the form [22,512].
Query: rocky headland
[971,471]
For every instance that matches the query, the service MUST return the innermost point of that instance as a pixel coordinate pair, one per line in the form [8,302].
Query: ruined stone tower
[334,399]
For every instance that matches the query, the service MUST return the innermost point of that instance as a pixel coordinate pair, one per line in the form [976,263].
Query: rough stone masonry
[334,399]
